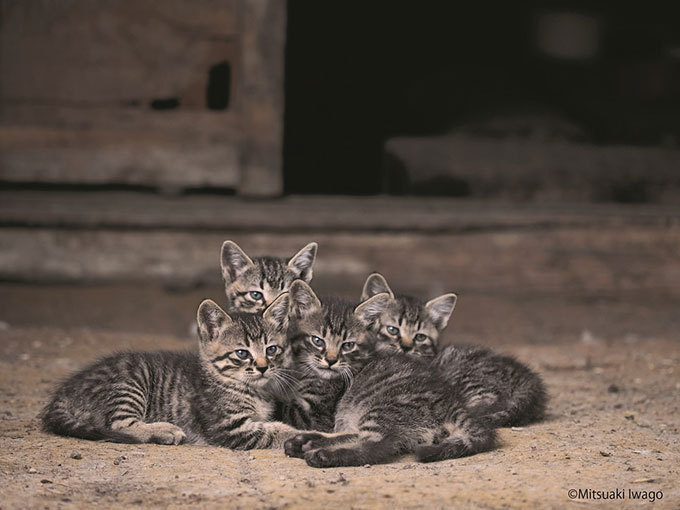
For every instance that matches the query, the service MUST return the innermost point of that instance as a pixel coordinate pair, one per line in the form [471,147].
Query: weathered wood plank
[312,213]
[36,123]
[262,25]
[80,110]
[108,51]
[164,165]
[581,260]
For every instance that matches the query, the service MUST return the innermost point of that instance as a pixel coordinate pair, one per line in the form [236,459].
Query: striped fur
[222,396]
[499,388]
[408,324]
[395,404]
[252,284]
[328,342]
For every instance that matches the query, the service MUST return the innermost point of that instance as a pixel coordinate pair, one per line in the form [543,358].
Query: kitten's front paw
[165,433]
[320,458]
[335,457]
[298,445]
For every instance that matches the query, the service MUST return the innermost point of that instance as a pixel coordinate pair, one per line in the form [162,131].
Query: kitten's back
[82,405]
[411,408]
[501,389]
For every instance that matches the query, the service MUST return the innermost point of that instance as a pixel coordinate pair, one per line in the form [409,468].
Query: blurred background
[524,155]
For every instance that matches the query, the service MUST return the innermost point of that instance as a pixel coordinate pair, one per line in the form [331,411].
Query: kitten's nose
[331,361]
[261,364]
[406,344]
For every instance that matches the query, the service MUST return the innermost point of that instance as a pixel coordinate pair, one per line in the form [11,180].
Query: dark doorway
[358,73]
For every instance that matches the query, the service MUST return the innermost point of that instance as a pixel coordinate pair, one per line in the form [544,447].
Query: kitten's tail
[460,441]
[56,419]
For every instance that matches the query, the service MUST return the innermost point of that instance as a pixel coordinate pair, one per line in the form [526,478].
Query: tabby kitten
[252,284]
[329,342]
[500,389]
[409,324]
[396,404]
[220,396]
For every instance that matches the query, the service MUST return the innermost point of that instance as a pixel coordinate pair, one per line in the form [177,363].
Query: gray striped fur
[213,397]
[324,372]
[263,277]
[408,324]
[501,389]
[395,404]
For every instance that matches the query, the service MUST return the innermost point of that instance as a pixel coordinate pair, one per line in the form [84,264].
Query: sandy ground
[613,424]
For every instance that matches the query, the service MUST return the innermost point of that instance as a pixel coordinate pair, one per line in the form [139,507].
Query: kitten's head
[408,324]
[331,338]
[252,284]
[249,348]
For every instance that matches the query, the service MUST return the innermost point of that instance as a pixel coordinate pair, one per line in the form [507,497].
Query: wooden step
[430,246]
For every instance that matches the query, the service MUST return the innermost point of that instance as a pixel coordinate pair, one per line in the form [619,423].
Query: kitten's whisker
[281,389]
[347,376]
[286,376]
[285,385]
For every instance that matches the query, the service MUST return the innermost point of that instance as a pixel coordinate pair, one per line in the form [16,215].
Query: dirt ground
[613,424]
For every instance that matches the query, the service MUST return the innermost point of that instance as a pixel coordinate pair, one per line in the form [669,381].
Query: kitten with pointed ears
[222,395]
[330,343]
[395,405]
[500,389]
[252,284]
[409,324]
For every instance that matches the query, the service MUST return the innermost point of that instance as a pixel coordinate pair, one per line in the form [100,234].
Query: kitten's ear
[368,311]
[303,261]
[211,320]
[303,301]
[375,284]
[441,308]
[277,313]
[234,261]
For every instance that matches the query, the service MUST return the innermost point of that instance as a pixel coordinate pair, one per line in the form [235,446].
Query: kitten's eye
[256,295]
[392,330]
[318,341]
[272,349]
[243,354]
[420,337]
[348,346]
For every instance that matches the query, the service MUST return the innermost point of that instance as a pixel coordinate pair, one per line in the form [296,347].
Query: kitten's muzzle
[406,343]
[261,365]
